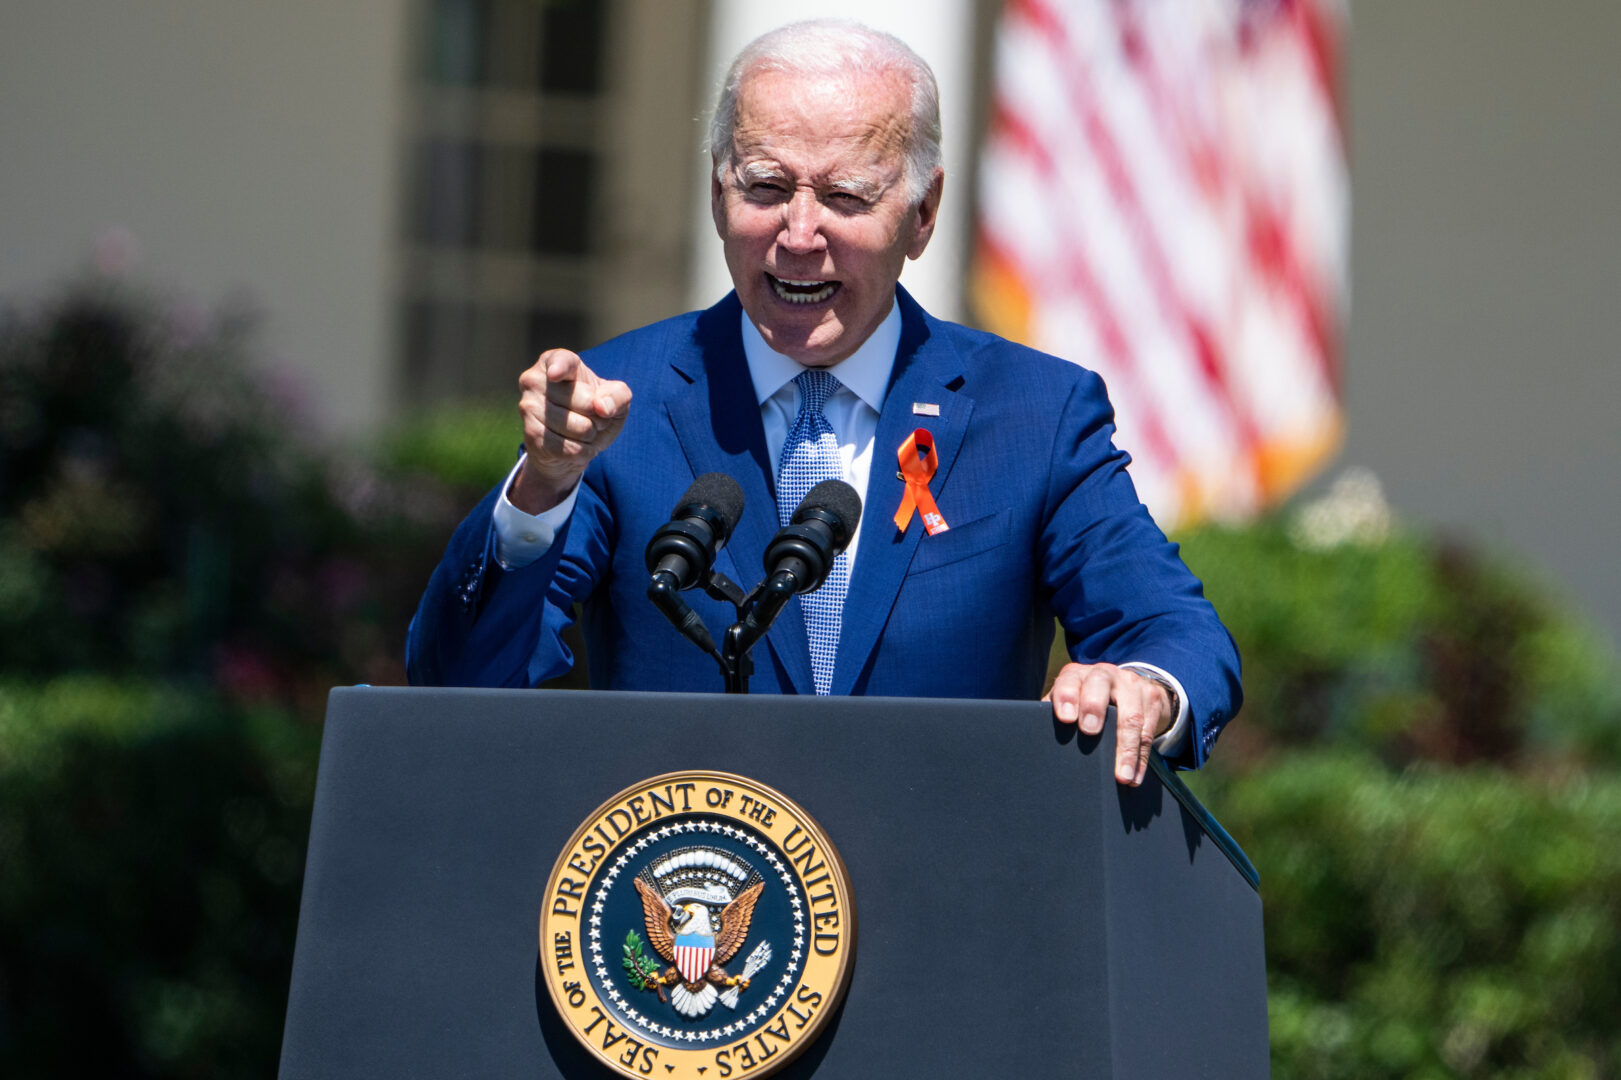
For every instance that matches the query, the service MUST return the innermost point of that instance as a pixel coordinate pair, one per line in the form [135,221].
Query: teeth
[783,287]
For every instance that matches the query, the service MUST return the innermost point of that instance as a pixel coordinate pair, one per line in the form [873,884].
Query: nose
[801,221]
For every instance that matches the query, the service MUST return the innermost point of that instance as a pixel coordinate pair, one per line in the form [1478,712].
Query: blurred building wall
[247,148]
[1482,371]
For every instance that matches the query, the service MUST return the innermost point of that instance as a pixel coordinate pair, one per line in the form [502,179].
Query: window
[505,117]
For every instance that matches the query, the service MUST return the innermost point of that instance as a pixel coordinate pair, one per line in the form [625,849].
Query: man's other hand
[570,415]
[1142,711]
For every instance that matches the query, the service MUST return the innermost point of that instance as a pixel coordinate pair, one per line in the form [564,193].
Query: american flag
[1164,199]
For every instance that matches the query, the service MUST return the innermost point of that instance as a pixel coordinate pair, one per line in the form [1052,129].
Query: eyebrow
[755,171]
[855,185]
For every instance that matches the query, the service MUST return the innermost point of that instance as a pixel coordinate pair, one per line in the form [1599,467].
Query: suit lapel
[924,367]
[717,422]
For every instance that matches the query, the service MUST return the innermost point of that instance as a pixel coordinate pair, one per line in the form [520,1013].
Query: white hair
[829,48]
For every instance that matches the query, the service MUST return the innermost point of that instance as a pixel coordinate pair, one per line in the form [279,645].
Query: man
[825,146]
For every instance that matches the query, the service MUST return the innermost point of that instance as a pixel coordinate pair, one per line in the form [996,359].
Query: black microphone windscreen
[838,499]
[717,491]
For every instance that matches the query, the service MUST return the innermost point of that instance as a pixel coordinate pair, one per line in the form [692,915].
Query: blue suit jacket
[1043,519]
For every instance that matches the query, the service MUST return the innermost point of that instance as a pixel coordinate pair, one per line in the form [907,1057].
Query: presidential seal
[698,925]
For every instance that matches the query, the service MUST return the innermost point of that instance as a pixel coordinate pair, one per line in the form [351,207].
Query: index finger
[562,365]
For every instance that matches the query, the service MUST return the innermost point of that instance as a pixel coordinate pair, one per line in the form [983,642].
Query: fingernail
[1092,723]
[1066,711]
[1125,773]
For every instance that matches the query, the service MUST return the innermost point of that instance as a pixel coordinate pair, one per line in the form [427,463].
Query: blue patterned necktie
[810,455]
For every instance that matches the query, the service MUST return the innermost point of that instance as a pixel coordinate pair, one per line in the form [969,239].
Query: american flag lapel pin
[922,408]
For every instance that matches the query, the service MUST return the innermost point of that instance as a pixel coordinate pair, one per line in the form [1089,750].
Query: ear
[928,213]
[717,207]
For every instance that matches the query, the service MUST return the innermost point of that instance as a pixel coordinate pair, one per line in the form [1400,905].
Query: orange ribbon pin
[918,463]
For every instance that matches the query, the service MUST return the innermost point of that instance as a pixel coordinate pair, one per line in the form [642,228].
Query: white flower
[1353,511]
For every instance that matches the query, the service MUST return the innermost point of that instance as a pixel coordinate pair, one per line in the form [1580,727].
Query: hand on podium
[1143,711]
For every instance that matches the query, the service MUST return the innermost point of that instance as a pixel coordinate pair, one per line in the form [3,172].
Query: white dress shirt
[852,412]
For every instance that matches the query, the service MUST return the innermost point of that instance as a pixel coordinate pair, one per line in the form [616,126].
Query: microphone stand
[754,617]
[736,665]
[801,553]
[756,611]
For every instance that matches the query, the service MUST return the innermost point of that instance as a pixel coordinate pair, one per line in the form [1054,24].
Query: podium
[1020,914]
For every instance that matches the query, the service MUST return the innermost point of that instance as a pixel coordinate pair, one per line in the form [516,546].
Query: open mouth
[803,292]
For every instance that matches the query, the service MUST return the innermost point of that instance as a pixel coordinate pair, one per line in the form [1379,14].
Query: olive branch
[641,968]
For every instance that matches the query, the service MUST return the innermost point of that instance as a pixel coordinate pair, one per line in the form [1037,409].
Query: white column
[938,30]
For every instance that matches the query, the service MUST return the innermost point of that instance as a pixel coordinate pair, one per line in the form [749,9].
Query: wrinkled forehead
[811,123]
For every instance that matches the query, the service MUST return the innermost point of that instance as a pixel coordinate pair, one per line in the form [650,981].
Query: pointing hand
[570,415]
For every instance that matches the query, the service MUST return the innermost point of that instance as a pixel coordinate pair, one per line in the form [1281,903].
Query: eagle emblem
[684,893]
[697,903]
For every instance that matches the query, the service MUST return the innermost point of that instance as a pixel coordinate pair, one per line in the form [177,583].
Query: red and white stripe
[693,961]
[1163,198]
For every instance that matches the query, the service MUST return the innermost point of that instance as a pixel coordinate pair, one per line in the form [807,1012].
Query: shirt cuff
[522,538]
[1169,744]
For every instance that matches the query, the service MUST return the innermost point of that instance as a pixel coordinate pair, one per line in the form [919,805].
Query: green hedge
[1416,648]
[1439,922]
[464,447]
[164,511]
[152,845]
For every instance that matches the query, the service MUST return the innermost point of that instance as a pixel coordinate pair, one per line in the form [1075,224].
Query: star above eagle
[693,992]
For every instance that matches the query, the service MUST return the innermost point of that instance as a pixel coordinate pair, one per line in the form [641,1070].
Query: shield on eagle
[693,955]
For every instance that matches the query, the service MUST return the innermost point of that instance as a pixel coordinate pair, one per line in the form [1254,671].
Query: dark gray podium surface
[1019,913]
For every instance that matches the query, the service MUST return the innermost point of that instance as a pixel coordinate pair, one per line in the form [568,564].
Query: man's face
[813,212]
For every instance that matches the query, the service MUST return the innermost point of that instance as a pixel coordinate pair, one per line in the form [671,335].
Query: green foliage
[1417,649]
[1438,922]
[152,841]
[184,571]
[641,968]
[162,511]
[467,447]
[1425,772]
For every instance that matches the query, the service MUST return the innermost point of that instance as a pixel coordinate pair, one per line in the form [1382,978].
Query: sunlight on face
[813,213]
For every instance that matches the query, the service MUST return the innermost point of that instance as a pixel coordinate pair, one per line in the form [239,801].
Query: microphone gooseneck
[681,556]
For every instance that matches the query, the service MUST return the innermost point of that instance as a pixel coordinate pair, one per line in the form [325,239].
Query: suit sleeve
[1118,586]
[480,625]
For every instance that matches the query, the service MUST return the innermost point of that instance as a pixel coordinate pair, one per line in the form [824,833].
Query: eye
[766,190]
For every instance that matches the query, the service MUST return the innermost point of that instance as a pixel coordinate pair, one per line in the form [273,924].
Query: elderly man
[825,146]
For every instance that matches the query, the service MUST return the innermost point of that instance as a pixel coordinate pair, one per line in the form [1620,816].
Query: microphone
[799,557]
[684,549]
[820,528]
